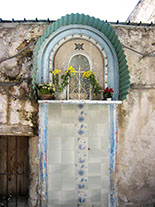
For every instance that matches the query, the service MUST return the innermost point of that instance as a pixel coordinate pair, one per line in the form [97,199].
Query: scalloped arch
[106,29]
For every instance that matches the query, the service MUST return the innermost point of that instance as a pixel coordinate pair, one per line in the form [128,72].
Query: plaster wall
[135,159]
[144,12]
[136,121]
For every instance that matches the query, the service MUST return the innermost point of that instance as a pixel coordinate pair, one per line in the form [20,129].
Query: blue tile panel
[74,167]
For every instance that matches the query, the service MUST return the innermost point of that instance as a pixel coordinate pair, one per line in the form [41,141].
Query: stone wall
[18,109]
[136,116]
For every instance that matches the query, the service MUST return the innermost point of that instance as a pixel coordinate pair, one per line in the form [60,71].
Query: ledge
[97,102]
[17,130]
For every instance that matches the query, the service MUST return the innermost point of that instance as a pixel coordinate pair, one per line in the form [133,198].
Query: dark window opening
[14,171]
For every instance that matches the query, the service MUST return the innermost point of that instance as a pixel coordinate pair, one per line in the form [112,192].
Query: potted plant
[108,93]
[61,81]
[90,76]
[46,91]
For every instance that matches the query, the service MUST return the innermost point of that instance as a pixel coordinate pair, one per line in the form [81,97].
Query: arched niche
[84,28]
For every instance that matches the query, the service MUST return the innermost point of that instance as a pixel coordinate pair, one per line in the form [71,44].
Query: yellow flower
[56,71]
[87,74]
[70,68]
[72,71]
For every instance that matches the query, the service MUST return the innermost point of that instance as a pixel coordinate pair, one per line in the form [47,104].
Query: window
[79,87]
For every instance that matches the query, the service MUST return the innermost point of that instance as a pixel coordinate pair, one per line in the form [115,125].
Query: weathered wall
[135,171]
[136,154]
[144,12]
[18,109]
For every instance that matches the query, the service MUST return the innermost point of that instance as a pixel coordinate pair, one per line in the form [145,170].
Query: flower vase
[95,97]
[101,94]
[107,97]
[61,95]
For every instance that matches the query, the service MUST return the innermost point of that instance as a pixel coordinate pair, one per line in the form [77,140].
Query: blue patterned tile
[82,166]
[81,147]
[80,132]
[81,118]
[81,172]
[80,106]
[81,200]
[81,186]
[81,158]
[82,126]
[83,180]
[82,112]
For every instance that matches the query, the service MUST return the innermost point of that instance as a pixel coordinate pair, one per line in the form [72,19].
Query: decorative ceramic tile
[55,110]
[68,198]
[81,114]
[68,183]
[94,169]
[95,195]
[81,158]
[100,116]
[95,129]
[81,165]
[82,196]
[68,170]
[68,108]
[94,142]
[54,130]
[105,184]
[67,116]
[55,156]
[95,156]
[94,182]
[81,130]
[78,162]
[105,169]
[68,143]
[96,204]
[54,198]
[67,130]
[80,106]
[54,169]
[55,143]
[105,142]
[100,108]
[82,143]
[105,199]
[68,157]
[55,183]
